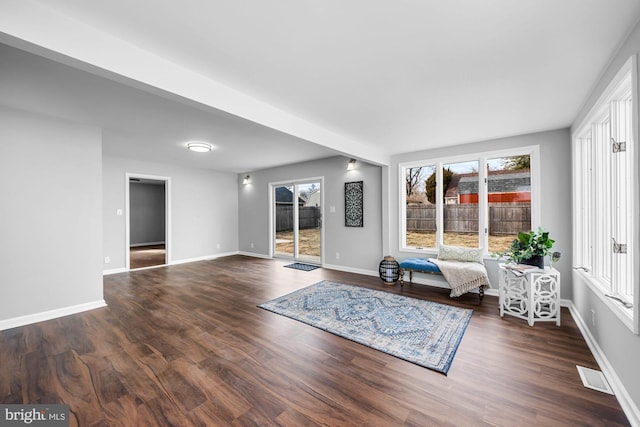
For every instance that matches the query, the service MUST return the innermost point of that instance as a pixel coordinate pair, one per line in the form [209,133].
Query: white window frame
[606,203]
[533,151]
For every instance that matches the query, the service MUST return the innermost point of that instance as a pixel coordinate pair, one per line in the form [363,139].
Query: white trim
[271,227]
[351,270]
[439,205]
[271,209]
[565,302]
[185,261]
[438,281]
[629,407]
[481,157]
[614,85]
[619,311]
[114,271]
[167,217]
[203,258]
[50,314]
[136,245]
[149,267]
[255,255]
[635,202]
[492,292]
[592,194]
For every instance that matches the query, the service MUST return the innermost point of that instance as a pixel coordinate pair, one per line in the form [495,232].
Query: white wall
[620,346]
[50,216]
[360,248]
[555,181]
[204,210]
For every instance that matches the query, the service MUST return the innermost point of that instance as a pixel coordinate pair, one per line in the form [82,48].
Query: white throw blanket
[462,276]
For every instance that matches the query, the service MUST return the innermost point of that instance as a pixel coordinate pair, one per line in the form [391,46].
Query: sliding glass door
[284,238]
[297,213]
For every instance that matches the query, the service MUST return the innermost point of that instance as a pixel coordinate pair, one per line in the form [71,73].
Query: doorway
[147,210]
[297,220]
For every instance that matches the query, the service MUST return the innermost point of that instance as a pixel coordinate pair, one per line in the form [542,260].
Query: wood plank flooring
[147,256]
[186,345]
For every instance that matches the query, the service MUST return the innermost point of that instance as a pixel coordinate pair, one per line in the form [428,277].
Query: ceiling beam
[30,26]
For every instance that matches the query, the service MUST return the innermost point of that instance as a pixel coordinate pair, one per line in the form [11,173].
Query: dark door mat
[304,267]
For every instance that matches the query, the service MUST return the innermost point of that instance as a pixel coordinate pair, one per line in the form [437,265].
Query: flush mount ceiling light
[352,165]
[199,147]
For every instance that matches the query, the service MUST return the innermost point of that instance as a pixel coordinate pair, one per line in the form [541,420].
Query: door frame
[294,182]
[167,217]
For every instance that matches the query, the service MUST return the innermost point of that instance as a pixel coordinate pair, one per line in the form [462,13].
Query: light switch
[119,212]
[332,209]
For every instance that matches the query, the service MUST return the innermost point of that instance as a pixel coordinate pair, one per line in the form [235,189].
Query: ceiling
[283,81]
[142,125]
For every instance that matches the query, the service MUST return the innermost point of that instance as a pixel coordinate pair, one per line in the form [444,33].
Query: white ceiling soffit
[141,125]
[370,78]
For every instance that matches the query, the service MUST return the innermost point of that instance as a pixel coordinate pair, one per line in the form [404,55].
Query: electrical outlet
[107,260]
[251,245]
[337,255]
[218,246]
[593,317]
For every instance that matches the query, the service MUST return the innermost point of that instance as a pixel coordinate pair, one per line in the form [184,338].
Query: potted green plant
[529,248]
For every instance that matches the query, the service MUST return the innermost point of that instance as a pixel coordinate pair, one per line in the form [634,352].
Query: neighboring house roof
[285,196]
[502,181]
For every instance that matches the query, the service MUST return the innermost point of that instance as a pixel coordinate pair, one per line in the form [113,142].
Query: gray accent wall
[147,217]
[555,182]
[50,214]
[360,249]
[619,344]
[203,214]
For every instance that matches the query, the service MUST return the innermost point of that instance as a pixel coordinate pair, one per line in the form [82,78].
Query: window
[604,184]
[461,219]
[509,199]
[480,200]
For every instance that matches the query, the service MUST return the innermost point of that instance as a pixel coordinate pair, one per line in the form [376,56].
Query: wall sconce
[351,165]
[246,179]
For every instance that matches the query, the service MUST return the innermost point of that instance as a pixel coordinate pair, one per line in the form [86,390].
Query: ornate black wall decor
[353,204]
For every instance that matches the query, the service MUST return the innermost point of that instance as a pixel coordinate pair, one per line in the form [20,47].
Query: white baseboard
[51,314]
[438,281]
[137,245]
[176,262]
[113,271]
[492,292]
[254,255]
[202,258]
[350,270]
[626,402]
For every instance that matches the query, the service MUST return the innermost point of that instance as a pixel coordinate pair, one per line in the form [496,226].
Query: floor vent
[594,379]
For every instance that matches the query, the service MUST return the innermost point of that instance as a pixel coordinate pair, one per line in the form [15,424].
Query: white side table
[532,294]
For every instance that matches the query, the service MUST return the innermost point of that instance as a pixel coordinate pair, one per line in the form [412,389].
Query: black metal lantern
[389,270]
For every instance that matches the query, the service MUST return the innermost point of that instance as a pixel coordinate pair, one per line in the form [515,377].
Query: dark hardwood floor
[147,256]
[186,345]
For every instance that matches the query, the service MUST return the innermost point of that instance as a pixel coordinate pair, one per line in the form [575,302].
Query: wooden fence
[509,218]
[308,217]
[504,218]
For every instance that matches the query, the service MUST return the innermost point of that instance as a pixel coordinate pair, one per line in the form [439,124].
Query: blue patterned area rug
[301,266]
[423,332]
